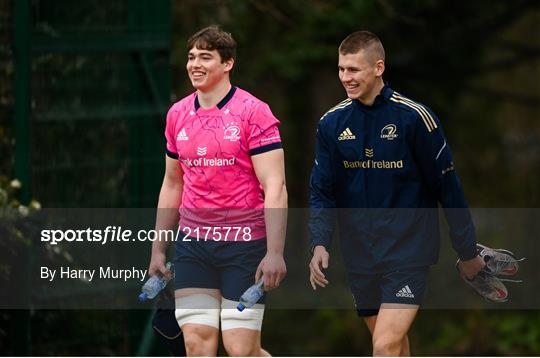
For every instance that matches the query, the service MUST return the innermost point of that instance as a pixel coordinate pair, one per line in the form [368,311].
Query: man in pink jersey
[225,179]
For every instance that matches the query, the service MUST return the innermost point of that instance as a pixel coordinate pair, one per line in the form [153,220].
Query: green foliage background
[476,64]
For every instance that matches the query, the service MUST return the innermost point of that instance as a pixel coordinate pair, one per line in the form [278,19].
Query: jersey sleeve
[170,135]
[322,201]
[263,130]
[434,158]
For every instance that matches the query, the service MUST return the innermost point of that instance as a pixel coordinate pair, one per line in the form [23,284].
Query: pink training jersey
[214,148]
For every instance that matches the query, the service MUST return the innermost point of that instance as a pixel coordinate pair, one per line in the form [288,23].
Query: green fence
[91,88]
[91,95]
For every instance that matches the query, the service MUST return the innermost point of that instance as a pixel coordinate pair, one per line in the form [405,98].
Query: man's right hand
[318,261]
[157,266]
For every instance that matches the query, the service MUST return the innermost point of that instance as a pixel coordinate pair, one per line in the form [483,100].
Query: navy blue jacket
[381,171]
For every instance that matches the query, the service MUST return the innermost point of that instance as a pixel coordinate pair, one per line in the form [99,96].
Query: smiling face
[361,75]
[206,70]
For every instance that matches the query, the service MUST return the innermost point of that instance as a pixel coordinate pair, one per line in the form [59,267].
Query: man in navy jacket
[382,165]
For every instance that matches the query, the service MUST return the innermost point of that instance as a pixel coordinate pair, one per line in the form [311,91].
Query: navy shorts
[404,286]
[227,266]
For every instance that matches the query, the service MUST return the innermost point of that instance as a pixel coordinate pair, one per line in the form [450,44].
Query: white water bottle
[251,296]
[153,286]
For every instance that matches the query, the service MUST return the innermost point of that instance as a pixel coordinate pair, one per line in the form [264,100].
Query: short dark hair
[362,40]
[213,38]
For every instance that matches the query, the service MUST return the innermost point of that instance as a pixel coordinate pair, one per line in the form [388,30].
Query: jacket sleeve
[434,159]
[322,202]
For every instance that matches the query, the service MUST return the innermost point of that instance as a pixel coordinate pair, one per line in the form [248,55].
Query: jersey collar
[386,91]
[383,96]
[221,103]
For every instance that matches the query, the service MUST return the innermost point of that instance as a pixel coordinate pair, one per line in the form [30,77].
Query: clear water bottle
[153,286]
[251,296]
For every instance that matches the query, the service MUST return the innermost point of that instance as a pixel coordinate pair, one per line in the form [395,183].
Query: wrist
[158,252]
[468,253]
[274,252]
[317,248]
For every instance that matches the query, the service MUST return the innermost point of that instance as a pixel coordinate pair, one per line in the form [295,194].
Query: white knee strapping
[198,309]
[250,318]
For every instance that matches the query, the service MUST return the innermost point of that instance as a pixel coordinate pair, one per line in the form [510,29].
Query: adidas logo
[346,135]
[182,135]
[405,292]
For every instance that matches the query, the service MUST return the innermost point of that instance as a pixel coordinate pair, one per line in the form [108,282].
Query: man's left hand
[470,268]
[272,270]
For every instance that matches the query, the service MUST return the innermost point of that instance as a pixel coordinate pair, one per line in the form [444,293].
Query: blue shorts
[227,266]
[404,286]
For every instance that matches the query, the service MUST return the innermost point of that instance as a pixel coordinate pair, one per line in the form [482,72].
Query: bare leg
[243,342]
[200,339]
[390,331]
[371,322]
